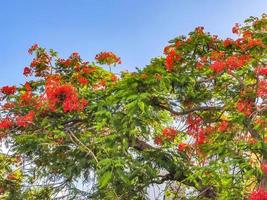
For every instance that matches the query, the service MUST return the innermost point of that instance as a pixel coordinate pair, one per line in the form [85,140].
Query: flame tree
[194,118]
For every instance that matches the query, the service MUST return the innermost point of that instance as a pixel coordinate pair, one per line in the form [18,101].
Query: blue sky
[136,30]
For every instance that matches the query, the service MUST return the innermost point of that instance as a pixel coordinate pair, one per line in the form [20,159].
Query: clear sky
[136,30]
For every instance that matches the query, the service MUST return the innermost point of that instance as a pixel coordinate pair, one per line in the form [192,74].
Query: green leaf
[105,179]
[122,176]
[141,106]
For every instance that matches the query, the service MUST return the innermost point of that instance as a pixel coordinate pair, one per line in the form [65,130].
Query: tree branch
[175,172]
[185,112]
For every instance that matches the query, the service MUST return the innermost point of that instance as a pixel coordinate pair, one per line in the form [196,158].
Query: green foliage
[180,121]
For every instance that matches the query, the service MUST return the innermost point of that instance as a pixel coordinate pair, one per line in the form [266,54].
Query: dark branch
[185,112]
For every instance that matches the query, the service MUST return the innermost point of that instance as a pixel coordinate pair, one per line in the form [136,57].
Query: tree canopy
[193,121]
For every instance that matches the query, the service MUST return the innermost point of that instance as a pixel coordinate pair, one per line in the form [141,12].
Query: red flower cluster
[194,123]
[82,80]
[101,85]
[260,194]
[227,42]
[245,107]
[170,58]
[235,29]
[255,42]
[158,140]
[247,34]
[261,71]
[107,58]
[182,146]
[235,62]
[167,49]
[26,71]
[26,98]
[8,106]
[201,135]
[65,63]
[33,48]
[217,55]
[223,126]
[262,88]
[63,94]
[196,131]
[75,55]
[169,133]
[8,90]
[114,78]
[231,62]
[26,120]
[6,123]
[217,66]
[28,87]
[87,70]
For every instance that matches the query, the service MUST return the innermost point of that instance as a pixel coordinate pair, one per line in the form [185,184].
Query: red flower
[260,194]
[158,140]
[107,58]
[8,90]
[170,58]
[84,103]
[235,29]
[64,95]
[24,121]
[262,88]
[233,62]
[26,71]
[194,123]
[182,146]
[223,126]
[199,65]
[167,49]
[87,70]
[33,48]
[227,42]
[102,83]
[178,44]
[169,62]
[217,66]
[82,80]
[201,137]
[217,55]
[8,106]
[114,78]
[255,42]
[65,63]
[6,123]
[244,107]
[75,55]
[28,86]
[261,71]
[34,63]
[26,97]
[247,34]
[169,133]
[241,43]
